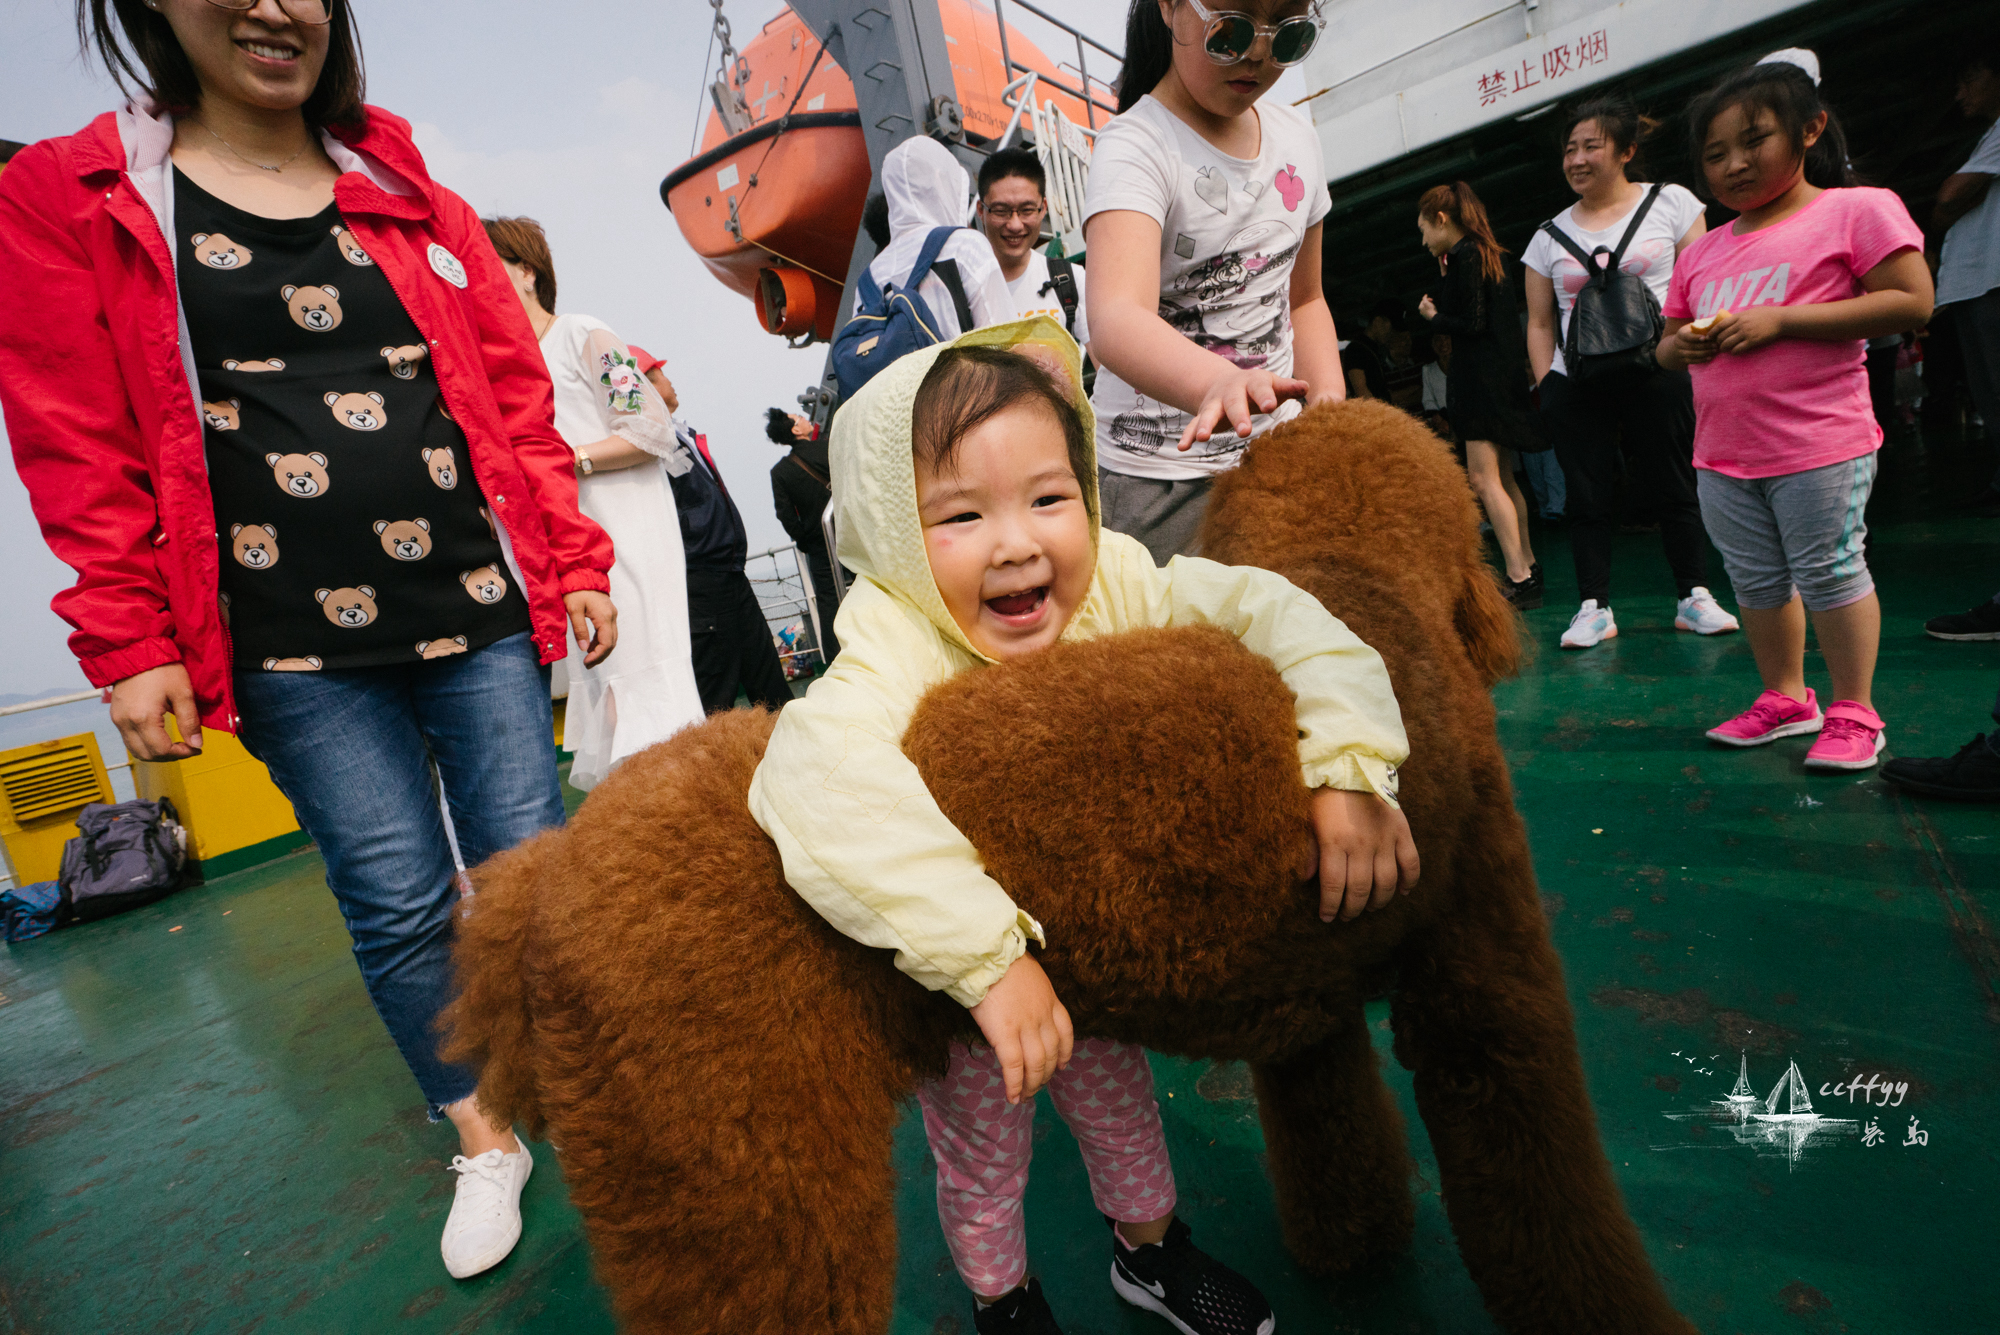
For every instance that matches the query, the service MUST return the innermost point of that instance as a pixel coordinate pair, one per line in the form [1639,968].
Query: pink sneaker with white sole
[1774,715]
[1851,739]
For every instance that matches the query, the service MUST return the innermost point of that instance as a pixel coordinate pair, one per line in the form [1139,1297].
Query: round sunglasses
[1228,34]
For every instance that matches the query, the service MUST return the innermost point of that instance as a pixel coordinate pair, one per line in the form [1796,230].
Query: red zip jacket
[97,387]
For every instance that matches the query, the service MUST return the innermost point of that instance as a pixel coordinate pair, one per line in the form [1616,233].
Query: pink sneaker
[1774,715]
[1852,739]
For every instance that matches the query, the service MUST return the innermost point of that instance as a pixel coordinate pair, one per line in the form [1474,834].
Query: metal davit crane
[805,113]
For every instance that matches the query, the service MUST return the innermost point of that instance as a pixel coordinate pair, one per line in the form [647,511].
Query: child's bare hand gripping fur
[1362,851]
[1027,1028]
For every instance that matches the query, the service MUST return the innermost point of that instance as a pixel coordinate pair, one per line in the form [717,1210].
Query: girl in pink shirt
[1772,313]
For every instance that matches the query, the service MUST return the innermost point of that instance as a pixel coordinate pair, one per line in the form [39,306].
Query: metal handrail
[1091,106]
[51,702]
[809,595]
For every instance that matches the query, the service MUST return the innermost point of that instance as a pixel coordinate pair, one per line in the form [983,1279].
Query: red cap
[647,361]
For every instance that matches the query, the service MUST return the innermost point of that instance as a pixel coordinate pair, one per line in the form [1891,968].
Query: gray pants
[1978,321]
[1795,533]
[1164,515]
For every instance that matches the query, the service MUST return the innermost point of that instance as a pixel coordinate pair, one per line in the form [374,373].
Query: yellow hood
[875,475]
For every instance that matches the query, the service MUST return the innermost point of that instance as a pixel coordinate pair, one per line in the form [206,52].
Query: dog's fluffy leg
[1484,1022]
[1339,1156]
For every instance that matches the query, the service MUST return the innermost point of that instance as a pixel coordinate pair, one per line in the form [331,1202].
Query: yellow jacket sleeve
[862,839]
[1350,728]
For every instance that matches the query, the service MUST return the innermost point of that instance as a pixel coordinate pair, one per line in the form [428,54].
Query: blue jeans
[353,751]
[1545,478]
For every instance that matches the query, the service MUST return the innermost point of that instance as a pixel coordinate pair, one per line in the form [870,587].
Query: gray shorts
[1163,514]
[1797,533]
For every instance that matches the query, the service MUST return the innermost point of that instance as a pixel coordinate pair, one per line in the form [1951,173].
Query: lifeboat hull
[773,210]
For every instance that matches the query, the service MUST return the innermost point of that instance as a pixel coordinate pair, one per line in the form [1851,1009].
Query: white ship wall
[1392,76]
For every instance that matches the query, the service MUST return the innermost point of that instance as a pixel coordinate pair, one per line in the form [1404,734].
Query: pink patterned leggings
[983,1145]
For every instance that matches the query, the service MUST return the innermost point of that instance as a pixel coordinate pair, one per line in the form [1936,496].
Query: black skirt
[1486,386]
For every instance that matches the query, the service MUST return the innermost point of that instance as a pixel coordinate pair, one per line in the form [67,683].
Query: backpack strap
[1632,228]
[1564,240]
[869,292]
[947,273]
[1062,281]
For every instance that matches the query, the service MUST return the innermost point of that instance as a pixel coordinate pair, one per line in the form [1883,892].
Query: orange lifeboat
[773,211]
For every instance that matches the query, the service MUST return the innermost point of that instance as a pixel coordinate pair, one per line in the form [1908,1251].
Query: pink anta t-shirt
[1798,403]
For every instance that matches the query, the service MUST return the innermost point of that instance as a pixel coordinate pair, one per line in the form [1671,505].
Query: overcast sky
[570,113]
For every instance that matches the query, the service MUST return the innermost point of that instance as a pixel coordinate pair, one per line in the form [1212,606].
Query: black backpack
[125,854]
[1616,322]
[1062,282]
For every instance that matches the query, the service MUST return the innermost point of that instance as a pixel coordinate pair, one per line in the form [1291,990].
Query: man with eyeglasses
[1012,204]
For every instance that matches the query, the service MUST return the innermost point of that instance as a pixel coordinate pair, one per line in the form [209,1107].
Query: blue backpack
[897,321]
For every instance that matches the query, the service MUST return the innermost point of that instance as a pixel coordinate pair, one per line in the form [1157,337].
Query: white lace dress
[645,692]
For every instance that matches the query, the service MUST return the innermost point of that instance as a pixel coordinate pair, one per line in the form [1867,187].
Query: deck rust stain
[1690,1008]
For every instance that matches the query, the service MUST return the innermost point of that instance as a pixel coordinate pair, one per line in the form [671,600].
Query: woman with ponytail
[1483,386]
[1203,220]
[1650,414]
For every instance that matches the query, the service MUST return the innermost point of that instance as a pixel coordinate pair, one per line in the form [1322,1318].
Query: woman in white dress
[625,452]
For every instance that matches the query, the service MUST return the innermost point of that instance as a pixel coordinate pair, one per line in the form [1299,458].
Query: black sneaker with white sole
[1021,1312]
[1187,1286]
[1981,623]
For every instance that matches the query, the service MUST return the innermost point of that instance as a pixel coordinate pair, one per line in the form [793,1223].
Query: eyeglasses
[1000,213]
[313,12]
[1228,34]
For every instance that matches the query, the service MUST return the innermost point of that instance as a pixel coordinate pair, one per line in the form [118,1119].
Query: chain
[733,69]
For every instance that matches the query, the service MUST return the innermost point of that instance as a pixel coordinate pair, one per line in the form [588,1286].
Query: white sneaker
[1590,625]
[485,1220]
[1700,613]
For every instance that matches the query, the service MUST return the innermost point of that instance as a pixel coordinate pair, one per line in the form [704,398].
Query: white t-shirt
[1650,256]
[1033,296]
[1229,231]
[1970,264]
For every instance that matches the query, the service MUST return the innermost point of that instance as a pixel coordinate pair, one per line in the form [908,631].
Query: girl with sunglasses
[312,492]
[1202,219]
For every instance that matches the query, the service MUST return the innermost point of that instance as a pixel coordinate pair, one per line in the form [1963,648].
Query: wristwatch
[584,468]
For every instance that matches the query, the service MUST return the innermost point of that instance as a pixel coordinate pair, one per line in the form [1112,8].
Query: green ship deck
[203,1127]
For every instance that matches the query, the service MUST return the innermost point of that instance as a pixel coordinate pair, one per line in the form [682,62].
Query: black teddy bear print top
[352,532]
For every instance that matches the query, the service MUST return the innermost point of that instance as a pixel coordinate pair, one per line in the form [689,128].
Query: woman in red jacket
[274,401]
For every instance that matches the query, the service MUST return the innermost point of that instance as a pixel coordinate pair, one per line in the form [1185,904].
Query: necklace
[258,165]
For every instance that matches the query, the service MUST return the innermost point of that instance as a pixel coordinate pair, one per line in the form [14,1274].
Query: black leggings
[1656,414]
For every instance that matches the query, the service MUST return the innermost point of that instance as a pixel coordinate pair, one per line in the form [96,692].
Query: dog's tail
[490,1024]
[1488,624]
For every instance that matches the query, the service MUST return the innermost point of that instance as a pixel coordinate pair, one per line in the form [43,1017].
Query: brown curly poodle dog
[722,1071]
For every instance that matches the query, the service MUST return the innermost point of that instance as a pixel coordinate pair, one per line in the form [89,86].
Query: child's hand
[1363,851]
[1026,1027]
[1751,329]
[1236,393]
[1694,348]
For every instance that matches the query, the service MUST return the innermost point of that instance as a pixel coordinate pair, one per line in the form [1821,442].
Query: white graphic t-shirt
[1229,231]
[1033,296]
[1650,256]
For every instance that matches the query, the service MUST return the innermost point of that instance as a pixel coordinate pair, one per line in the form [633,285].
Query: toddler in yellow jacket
[966,500]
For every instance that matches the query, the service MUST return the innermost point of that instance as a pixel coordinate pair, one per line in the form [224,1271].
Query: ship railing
[1064,149]
[55,701]
[1084,92]
[784,595]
